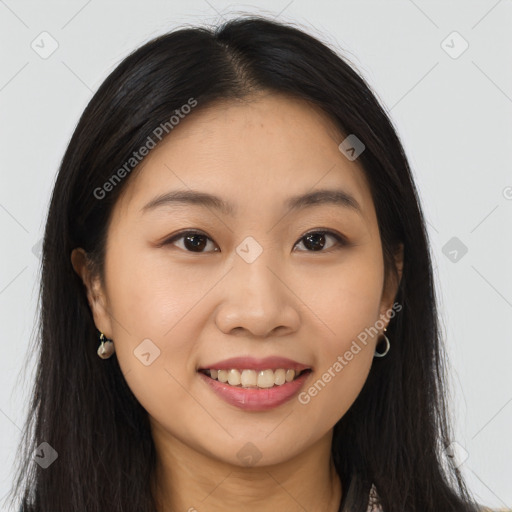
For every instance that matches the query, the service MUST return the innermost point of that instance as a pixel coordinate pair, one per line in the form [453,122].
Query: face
[189,285]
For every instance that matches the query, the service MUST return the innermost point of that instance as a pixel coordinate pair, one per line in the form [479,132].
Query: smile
[248,378]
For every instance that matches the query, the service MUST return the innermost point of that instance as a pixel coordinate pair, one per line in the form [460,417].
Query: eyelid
[181,234]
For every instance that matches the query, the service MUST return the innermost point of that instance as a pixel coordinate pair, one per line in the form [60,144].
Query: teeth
[252,378]
[266,379]
[249,378]
[280,377]
[234,377]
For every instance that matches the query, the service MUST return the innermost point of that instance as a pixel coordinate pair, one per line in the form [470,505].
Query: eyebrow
[335,197]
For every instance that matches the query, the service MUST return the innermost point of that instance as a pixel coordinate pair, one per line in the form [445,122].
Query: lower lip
[256,399]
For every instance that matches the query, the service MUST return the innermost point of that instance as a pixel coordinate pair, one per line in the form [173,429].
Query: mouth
[257,379]
[255,390]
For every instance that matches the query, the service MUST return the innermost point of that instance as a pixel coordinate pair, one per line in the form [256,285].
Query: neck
[187,480]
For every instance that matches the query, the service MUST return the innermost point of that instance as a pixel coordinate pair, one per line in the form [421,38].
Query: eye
[314,241]
[193,241]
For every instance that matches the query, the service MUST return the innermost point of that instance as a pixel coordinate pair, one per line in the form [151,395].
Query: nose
[256,300]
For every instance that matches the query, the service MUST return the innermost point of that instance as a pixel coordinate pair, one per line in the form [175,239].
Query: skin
[201,307]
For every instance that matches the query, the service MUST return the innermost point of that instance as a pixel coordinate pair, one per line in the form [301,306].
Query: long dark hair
[395,434]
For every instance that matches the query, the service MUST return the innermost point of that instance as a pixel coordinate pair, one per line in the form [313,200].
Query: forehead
[254,152]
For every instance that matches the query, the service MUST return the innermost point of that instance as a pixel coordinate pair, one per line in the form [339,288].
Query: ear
[392,282]
[95,293]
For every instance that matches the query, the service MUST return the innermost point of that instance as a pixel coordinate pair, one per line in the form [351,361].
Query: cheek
[154,325]
[158,352]
[348,311]
[346,298]
[347,305]
[149,296]
[334,387]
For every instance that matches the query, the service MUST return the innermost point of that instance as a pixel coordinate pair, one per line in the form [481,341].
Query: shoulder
[373,504]
[487,509]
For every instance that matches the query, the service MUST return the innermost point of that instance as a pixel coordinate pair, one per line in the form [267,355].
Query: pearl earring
[106,349]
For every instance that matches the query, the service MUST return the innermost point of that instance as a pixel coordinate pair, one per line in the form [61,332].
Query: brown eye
[315,241]
[193,241]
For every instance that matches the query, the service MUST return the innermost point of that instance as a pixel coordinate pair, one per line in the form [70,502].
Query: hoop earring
[106,349]
[388,346]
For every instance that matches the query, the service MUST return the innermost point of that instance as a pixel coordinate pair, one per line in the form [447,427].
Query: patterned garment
[373,506]
[372,502]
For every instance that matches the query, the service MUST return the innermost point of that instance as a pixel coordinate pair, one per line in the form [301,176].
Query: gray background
[452,111]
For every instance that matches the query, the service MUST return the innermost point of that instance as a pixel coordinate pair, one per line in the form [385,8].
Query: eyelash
[341,241]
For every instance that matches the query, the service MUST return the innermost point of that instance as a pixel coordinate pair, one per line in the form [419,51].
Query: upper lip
[251,363]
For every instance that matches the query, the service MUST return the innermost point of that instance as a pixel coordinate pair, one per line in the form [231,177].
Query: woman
[235,231]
